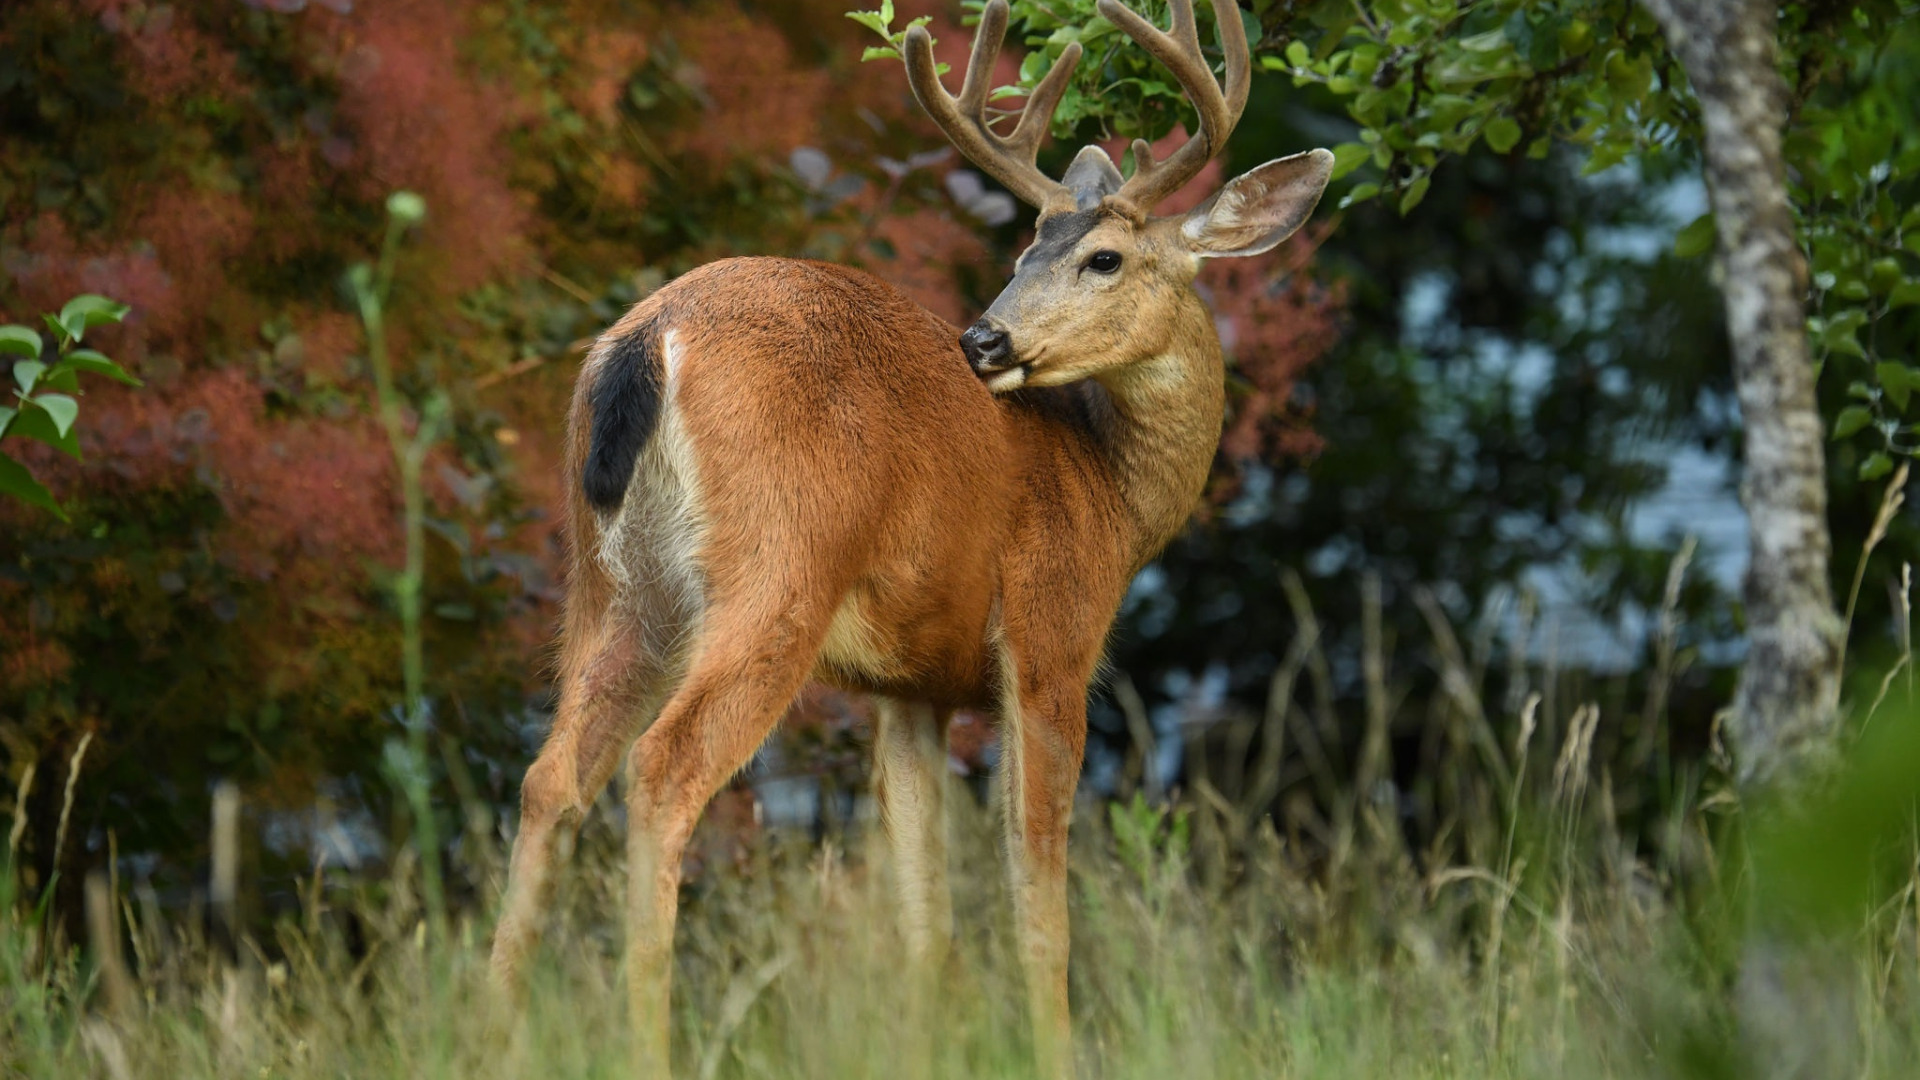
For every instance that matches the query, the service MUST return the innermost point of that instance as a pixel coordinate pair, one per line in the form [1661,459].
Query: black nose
[987,347]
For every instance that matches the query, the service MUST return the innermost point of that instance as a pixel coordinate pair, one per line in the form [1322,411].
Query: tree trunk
[1784,713]
[1795,998]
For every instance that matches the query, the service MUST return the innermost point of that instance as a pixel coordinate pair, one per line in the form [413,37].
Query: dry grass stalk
[224,888]
[745,989]
[105,938]
[1322,739]
[20,811]
[1315,738]
[1373,749]
[104,1043]
[1373,786]
[1666,637]
[66,799]
[1143,754]
[1456,677]
[1519,682]
[1903,602]
[1906,624]
[1570,771]
[1890,502]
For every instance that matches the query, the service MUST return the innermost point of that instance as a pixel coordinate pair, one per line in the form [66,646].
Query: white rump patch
[671,356]
[651,545]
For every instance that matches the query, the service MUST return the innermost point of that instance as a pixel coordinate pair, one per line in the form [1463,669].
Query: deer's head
[1104,283]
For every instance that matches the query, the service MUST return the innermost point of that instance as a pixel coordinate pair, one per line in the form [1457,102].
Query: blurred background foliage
[1471,427]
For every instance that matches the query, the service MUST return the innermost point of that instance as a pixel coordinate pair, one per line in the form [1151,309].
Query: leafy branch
[372,287]
[881,22]
[46,378]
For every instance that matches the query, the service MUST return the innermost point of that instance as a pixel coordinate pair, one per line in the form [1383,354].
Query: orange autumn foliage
[216,608]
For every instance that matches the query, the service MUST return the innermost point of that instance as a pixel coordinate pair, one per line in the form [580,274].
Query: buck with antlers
[788,470]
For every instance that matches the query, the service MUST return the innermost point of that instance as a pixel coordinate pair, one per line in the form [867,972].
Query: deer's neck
[1165,428]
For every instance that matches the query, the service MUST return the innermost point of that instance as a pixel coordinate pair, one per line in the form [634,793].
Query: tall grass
[1530,935]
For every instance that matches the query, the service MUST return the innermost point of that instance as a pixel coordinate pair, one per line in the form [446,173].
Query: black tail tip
[625,405]
[605,483]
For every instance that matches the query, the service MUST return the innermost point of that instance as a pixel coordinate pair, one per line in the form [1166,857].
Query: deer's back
[819,434]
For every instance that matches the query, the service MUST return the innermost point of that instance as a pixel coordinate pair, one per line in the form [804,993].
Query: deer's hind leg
[611,683]
[748,662]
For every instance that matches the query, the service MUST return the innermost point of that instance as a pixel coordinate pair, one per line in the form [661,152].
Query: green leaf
[41,426]
[86,311]
[94,363]
[1491,41]
[1837,333]
[871,20]
[880,52]
[1348,157]
[1905,293]
[26,373]
[6,417]
[21,341]
[1896,380]
[1695,239]
[1851,419]
[62,408]
[1360,193]
[1415,192]
[1604,157]
[1575,38]
[1883,274]
[1501,133]
[1297,54]
[16,481]
[1877,465]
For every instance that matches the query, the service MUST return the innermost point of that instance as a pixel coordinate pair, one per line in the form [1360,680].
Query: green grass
[789,966]
[1580,906]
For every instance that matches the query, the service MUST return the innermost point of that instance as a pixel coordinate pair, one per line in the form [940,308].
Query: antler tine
[1179,52]
[1008,159]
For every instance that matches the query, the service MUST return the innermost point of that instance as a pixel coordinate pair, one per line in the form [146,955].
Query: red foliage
[606,60]
[764,104]
[929,244]
[418,120]
[1193,192]
[1273,321]
[168,57]
[262,181]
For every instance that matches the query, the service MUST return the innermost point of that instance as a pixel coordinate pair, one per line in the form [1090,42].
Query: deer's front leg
[910,776]
[1043,738]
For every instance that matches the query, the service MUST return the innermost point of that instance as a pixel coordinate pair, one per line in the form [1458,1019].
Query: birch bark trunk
[1785,709]
[1795,995]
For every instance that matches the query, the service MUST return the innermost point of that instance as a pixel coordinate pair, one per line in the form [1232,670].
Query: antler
[1008,159]
[1180,53]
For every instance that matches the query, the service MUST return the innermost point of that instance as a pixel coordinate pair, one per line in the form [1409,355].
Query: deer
[788,471]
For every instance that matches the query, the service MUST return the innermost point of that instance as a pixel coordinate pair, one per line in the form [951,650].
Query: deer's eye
[1104,262]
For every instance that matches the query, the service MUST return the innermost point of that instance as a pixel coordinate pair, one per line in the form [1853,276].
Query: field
[1530,937]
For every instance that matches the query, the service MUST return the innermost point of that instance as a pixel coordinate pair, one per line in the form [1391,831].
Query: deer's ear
[1258,210]
[1091,177]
